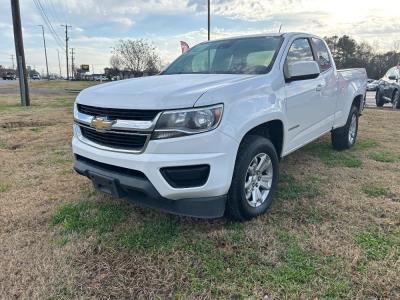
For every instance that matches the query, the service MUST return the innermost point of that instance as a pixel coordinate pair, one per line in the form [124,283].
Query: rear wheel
[396,100]
[345,137]
[379,99]
[254,179]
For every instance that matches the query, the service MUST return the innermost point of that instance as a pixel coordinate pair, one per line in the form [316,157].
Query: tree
[138,56]
[115,62]
[347,53]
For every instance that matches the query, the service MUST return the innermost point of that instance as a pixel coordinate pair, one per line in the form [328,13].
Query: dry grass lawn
[332,233]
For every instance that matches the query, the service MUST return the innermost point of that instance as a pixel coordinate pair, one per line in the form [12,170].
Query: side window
[300,50]
[322,54]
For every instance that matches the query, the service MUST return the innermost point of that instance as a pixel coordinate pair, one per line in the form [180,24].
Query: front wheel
[254,179]
[396,100]
[345,137]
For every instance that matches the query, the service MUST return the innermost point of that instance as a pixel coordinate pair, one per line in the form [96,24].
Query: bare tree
[137,56]
[115,62]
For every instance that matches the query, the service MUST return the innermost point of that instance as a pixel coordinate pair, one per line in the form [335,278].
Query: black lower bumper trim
[139,189]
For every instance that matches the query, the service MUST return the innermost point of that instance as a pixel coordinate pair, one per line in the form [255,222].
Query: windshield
[254,55]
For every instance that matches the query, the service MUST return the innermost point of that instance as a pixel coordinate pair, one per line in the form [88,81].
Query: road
[3,82]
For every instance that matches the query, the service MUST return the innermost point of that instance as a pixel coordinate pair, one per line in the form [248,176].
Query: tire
[345,137]
[396,100]
[251,152]
[379,100]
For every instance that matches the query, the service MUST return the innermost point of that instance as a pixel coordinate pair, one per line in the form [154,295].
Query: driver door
[304,108]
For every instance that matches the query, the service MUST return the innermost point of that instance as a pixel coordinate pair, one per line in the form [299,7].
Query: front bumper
[214,148]
[135,186]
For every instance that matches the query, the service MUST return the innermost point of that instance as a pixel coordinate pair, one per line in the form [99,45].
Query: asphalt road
[2,82]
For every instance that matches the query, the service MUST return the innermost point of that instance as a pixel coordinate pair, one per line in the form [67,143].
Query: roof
[285,34]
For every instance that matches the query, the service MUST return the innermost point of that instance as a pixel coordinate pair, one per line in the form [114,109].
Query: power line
[46,20]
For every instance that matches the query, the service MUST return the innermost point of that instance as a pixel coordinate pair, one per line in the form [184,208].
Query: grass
[385,156]
[62,103]
[5,107]
[87,216]
[333,158]
[321,239]
[375,244]
[154,235]
[4,187]
[374,190]
[3,145]
[365,144]
[291,189]
[298,267]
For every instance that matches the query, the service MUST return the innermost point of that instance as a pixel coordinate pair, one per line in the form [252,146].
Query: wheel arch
[358,102]
[273,130]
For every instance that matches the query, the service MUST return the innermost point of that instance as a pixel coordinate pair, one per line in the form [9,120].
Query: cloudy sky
[98,24]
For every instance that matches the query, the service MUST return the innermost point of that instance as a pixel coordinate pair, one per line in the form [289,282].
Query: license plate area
[104,184]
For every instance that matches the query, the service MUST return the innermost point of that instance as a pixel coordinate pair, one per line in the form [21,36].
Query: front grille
[116,140]
[116,113]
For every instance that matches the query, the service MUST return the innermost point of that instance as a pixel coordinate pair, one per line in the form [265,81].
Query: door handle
[319,87]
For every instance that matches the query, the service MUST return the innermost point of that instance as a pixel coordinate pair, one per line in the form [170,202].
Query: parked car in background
[100,78]
[35,77]
[206,135]
[372,85]
[389,89]
[9,76]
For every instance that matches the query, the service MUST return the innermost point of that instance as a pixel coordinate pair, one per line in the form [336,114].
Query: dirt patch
[21,124]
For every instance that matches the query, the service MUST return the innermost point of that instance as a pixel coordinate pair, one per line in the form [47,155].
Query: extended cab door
[306,111]
[329,89]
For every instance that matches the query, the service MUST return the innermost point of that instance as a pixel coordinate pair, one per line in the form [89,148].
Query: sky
[97,25]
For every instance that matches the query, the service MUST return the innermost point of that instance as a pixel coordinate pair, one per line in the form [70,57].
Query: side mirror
[302,70]
[392,77]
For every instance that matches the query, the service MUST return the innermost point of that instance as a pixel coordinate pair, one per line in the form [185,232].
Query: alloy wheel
[258,179]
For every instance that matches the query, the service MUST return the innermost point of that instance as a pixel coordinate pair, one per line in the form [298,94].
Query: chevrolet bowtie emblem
[100,123]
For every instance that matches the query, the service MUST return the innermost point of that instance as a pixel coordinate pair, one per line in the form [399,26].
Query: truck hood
[156,92]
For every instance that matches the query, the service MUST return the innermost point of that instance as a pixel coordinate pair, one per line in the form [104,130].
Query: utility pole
[19,52]
[12,59]
[209,21]
[66,46]
[59,63]
[72,63]
[45,52]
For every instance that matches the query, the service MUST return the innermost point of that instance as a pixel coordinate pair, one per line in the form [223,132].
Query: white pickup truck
[205,136]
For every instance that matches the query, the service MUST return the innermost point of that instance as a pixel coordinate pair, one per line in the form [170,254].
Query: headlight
[187,122]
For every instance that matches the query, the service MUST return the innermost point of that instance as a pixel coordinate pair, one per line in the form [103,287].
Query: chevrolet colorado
[205,136]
